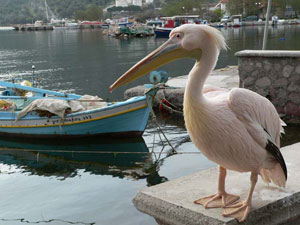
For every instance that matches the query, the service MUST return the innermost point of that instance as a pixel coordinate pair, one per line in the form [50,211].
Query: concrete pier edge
[171,203]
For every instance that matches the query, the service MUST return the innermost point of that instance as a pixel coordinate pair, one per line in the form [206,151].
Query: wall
[275,75]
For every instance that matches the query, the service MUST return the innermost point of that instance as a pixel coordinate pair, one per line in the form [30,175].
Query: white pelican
[238,129]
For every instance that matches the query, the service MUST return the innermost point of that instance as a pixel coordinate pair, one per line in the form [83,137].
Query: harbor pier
[32,27]
[171,203]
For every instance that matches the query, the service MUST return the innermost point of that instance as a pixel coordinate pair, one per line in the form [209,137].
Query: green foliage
[179,7]
[131,8]
[26,11]
[92,13]
[217,15]
[251,7]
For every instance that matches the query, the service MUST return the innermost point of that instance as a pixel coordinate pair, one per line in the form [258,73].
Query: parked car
[225,19]
[251,18]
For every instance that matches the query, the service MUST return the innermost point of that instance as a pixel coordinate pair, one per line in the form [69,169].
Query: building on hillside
[221,5]
[149,1]
[137,2]
[125,3]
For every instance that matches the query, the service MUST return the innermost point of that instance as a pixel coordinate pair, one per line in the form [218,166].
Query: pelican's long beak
[167,52]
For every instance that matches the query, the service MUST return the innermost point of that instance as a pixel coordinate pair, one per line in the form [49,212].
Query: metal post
[266,25]
[33,68]
[46,8]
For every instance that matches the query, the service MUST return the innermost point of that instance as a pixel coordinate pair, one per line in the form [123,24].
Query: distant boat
[124,119]
[236,21]
[63,24]
[171,22]
[220,25]
[161,32]
[6,28]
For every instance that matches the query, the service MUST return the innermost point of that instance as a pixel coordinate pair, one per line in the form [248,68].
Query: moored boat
[169,23]
[28,116]
[162,32]
[7,28]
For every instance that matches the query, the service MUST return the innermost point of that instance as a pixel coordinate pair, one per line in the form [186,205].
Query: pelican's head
[186,41]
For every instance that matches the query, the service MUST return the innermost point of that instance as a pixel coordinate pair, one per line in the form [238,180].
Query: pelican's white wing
[258,115]
[262,121]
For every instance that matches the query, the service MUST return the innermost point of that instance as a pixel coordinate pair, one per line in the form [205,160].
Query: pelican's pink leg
[221,198]
[241,210]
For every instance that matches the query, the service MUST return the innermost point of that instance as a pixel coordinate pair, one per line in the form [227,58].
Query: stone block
[287,70]
[294,87]
[263,82]
[172,202]
[292,109]
[249,80]
[294,97]
[281,93]
[282,82]
[278,67]
[297,70]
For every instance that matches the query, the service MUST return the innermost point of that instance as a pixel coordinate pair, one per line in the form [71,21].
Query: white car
[225,19]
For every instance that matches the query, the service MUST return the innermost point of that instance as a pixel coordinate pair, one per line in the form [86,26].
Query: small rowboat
[123,119]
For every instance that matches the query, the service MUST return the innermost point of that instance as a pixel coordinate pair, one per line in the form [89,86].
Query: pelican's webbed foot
[238,211]
[217,200]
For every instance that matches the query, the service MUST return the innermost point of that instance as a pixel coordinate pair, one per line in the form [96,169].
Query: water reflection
[121,158]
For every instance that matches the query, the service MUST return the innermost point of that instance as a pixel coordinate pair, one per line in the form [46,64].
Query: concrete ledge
[267,53]
[171,203]
[226,78]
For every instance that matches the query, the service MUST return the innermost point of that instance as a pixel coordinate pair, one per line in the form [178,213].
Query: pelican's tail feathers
[274,175]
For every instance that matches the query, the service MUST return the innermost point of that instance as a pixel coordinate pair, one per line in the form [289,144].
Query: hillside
[26,11]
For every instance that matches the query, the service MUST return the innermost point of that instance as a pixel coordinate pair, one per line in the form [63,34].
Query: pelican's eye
[178,35]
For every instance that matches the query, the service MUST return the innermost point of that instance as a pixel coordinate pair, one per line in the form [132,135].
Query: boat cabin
[176,21]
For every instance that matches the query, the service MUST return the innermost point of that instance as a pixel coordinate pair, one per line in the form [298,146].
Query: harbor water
[93,181]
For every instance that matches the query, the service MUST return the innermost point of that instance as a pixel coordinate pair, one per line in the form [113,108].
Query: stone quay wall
[275,75]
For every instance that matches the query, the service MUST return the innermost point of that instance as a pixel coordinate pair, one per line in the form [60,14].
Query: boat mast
[46,8]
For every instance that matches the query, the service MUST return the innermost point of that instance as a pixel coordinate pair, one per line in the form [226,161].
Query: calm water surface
[90,181]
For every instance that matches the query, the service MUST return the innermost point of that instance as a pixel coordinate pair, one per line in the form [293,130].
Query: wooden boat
[124,119]
[236,21]
[169,23]
[162,32]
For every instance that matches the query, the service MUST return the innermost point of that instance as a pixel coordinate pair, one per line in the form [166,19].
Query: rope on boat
[168,108]
[157,124]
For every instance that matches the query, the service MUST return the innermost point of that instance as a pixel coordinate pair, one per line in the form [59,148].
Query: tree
[255,7]
[179,7]
[217,15]
[94,12]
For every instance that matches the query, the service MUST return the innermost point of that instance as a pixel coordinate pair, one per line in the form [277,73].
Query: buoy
[162,108]
[157,77]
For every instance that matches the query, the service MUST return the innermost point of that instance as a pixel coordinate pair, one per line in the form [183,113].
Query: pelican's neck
[200,72]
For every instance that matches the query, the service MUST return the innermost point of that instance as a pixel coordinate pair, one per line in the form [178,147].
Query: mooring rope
[157,124]
[89,152]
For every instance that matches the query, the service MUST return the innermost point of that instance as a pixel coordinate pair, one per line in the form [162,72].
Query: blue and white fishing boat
[124,119]
[162,32]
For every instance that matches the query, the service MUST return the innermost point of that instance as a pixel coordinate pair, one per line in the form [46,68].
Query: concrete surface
[171,203]
[226,77]
[268,53]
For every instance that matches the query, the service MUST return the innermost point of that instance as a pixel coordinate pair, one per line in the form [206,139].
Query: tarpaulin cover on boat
[58,107]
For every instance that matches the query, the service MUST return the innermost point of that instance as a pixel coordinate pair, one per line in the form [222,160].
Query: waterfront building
[125,3]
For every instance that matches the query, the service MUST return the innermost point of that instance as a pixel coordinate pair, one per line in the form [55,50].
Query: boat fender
[7,92]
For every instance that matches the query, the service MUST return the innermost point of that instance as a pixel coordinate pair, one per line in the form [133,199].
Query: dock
[32,27]
[227,77]
[171,203]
